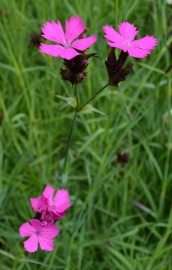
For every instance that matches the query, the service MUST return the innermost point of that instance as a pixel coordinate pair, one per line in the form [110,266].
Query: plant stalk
[93,97]
[71,131]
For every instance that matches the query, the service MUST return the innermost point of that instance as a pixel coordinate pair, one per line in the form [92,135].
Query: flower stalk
[68,140]
[98,92]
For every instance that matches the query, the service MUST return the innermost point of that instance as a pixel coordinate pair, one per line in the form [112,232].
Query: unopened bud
[115,69]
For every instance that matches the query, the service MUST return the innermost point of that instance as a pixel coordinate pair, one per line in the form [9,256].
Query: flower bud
[73,70]
[115,69]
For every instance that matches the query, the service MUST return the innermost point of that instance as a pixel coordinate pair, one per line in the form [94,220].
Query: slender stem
[74,120]
[71,131]
[77,99]
[79,109]
[68,140]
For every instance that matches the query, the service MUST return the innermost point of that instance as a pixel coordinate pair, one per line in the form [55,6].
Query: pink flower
[50,217]
[48,210]
[39,233]
[68,44]
[38,204]
[51,209]
[59,203]
[125,40]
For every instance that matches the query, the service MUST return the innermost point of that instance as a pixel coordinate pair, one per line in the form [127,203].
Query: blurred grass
[121,216]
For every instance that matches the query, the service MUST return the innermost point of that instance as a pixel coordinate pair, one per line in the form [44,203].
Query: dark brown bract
[117,73]
[73,69]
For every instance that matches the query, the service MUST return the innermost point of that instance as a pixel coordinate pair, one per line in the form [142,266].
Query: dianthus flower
[125,40]
[71,43]
[39,233]
[48,210]
[51,208]
[59,203]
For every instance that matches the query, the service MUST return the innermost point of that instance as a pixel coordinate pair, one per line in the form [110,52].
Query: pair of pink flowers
[42,229]
[73,42]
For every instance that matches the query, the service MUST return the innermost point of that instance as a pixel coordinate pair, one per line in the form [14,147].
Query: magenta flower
[39,233]
[69,43]
[48,210]
[59,203]
[50,217]
[39,204]
[125,40]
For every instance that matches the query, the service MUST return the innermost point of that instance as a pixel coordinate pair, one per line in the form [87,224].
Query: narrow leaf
[69,100]
[88,108]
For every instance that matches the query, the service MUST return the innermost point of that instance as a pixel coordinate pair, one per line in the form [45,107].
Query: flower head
[39,233]
[51,209]
[70,43]
[115,67]
[125,40]
[122,158]
[74,69]
[39,204]
[59,203]
[35,40]
[48,210]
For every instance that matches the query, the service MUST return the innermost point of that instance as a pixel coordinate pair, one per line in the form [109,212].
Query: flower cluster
[48,210]
[72,45]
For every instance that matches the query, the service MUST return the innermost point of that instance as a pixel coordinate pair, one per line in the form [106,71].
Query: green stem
[77,99]
[92,97]
[70,133]
[74,120]
[68,140]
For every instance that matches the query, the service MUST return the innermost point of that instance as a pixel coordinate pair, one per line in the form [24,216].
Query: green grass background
[121,216]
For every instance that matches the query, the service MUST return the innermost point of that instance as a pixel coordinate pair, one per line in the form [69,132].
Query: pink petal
[128,31]
[58,51]
[26,230]
[118,45]
[60,215]
[67,53]
[50,217]
[50,231]
[46,244]
[31,245]
[46,237]
[36,224]
[38,204]
[138,53]
[112,35]
[84,44]
[74,27]
[54,32]
[147,43]
[49,191]
[61,201]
